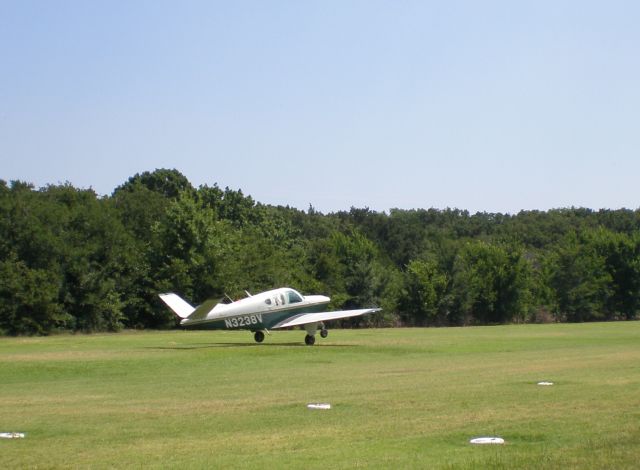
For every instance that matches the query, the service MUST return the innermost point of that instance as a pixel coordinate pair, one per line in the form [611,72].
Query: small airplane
[278,308]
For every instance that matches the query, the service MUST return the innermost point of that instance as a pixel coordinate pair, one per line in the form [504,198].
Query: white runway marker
[319,406]
[487,440]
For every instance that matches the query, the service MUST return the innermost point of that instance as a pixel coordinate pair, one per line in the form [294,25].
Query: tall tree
[621,255]
[491,284]
[168,183]
[423,297]
[579,279]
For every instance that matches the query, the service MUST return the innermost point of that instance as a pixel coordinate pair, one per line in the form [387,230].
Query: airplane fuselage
[259,312]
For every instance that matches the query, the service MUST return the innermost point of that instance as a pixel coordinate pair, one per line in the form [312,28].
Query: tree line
[73,261]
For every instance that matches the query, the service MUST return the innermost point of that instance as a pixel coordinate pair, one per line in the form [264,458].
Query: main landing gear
[310,339]
[258,336]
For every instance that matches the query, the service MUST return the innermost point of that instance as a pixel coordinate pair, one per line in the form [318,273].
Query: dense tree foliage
[70,260]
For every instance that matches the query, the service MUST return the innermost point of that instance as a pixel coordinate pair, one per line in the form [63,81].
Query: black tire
[309,340]
[324,333]
[258,336]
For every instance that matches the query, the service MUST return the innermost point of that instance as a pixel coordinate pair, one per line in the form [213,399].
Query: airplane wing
[305,318]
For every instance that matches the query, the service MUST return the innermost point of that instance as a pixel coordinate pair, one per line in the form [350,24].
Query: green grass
[402,398]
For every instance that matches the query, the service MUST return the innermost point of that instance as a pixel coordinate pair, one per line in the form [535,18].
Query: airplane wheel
[258,336]
[324,333]
[309,340]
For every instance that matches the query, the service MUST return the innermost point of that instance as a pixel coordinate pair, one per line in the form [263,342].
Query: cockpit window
[293,297]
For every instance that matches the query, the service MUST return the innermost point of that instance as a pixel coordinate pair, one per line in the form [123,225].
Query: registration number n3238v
[245,320]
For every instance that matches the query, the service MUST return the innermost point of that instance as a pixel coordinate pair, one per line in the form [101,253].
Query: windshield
[294,297]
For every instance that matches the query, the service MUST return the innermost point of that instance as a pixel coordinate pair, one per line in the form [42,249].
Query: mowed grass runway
[401,398]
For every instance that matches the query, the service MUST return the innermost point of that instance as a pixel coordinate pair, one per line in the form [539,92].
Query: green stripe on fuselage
[255,321]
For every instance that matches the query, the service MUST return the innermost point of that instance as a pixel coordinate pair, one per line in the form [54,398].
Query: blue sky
[489,105]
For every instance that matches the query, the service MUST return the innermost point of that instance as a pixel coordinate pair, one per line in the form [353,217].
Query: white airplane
[278,308]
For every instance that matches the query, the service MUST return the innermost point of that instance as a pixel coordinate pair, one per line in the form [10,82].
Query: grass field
[402,398]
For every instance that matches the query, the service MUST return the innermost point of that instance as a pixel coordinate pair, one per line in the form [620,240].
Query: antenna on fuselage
[226,299]
[247,292]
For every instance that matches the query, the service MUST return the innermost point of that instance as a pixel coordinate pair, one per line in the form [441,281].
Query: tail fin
[176,303]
